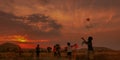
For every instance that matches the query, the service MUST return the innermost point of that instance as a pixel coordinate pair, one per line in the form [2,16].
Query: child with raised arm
[90,47]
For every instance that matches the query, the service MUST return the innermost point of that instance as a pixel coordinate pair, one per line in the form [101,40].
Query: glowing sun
[20,38]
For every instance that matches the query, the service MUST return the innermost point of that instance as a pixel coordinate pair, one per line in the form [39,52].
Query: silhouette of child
[54,50]
[37,50]
[58,48]
[90,47]
[69,51]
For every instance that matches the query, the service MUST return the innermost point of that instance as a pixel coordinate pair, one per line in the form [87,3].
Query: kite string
[88,24]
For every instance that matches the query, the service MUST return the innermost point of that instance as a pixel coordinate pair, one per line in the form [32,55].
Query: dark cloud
[37,18]
[9,25]
[48,27]
[46,20]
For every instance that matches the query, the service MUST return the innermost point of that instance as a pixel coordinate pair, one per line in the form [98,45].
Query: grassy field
[49,56]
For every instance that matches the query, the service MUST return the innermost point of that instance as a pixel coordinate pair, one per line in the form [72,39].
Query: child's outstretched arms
[84,41]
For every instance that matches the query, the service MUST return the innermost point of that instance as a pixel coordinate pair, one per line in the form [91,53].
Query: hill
[9,47]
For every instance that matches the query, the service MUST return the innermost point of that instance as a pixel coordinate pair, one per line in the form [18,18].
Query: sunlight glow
[20,39]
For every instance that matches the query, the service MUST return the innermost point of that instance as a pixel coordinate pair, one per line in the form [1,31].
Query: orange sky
[47,22]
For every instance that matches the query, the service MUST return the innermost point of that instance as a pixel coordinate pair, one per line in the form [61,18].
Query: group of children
[57,49]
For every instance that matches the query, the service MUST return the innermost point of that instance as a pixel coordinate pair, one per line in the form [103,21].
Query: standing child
[90,47]
[54,50]
[58,50]
[69,51]
[37,51]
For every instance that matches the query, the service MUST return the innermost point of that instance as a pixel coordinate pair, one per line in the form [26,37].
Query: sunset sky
[47,22]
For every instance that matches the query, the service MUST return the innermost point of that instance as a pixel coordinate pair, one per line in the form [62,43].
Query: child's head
[37,45]
[68,44]
[90,38]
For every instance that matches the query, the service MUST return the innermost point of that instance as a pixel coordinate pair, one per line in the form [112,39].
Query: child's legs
[90,55]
